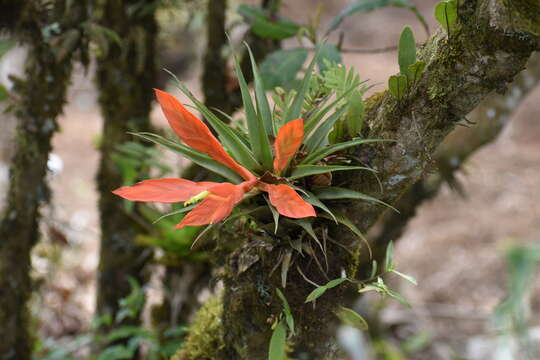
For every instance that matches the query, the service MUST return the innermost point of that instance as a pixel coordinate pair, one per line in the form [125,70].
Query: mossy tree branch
[487,122]
[482,55]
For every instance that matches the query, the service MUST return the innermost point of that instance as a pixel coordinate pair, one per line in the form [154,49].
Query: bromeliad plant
[275,155]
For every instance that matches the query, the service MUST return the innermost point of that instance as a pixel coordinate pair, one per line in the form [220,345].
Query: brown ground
[453,247]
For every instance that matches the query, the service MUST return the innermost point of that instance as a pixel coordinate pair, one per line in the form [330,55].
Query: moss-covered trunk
[37,98]
[125,76]
[486,122]
[483,54]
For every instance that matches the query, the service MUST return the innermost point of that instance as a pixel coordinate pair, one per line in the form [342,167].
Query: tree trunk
[125,76]
[490,45]
[37,99]
[221,90]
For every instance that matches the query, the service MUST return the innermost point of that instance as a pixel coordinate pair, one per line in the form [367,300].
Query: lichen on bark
[37,99]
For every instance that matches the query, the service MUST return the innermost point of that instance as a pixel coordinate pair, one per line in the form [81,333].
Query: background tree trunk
[125,76]
[503,35]
[38,99]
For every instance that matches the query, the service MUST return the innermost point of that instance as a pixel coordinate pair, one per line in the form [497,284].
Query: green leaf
[319,137]
[6,45]
[308,170]
[335,282]
[446,13]
[116,352]
[279,30]
[406,51]
[295,110]
[388,264]
[330,53]
[373,268]
[363,6]
[351,318]
[285,265]
[397,85]
[335,193]
[319,291]
[397,297]
[193,155]
[405,276]
[416,70]
[256,130]
[125,332]
[342,219]
[354,118]
[314,200]
[287,311]
[315,294]
[275,213]
[276,350]
[308,227]
[313,120]
[263,109]
[320,154]
[4,94]
[175,212]
[178,241]
[281,66]
[265,27]
[380,287]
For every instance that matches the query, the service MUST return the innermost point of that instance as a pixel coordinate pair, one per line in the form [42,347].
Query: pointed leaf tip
[288,141]
[166,190]
[194,133]
[217,205]
[288,202]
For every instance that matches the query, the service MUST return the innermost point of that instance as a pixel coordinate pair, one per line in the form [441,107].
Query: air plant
[274,155]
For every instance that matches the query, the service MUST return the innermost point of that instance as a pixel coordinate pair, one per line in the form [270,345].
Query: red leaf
[194,133]
[288,202]
[217,205]
[288,140]
[167,190]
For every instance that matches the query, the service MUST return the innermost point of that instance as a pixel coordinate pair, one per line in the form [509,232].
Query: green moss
[374,99]
[527,15]
[355,262]
[205,339]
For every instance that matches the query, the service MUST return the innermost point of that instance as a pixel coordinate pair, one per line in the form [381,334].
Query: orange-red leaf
[194,133]
[167,190]
[288,140]
[288,202]
[217,205]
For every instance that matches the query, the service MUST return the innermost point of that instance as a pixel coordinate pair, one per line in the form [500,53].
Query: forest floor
[454,247]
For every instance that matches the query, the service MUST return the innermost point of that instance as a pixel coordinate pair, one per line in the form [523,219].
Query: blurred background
[472,241]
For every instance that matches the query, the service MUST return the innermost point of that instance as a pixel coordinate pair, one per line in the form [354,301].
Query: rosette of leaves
[286,159]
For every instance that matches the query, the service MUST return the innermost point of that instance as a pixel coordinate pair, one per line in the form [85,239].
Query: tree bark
[490,45]
[37,100]
[125,76]
[486,123]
